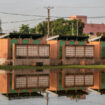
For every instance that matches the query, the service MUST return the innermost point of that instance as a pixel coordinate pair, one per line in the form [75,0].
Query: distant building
[90,28]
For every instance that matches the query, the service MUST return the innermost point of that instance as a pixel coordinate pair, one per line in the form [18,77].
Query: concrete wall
[97,48]
[97,80]
[54,81]
[94,28]
[5,48]
[4,83]
[77,61]
[31,61]
[54,49]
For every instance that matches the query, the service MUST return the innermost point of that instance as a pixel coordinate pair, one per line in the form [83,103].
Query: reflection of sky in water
[91,99]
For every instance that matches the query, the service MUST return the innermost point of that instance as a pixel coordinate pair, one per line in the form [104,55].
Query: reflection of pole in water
[47,97]
[76,94]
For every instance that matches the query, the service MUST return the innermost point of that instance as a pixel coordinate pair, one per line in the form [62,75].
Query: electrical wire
[85,7]
[21,14]
[23,21]
[46,16]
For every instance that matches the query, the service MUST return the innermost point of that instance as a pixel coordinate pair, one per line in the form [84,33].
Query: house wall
[89,28]
[94,28]
[30,57]
[31,61]
[5,48]
[4,82]
[97,80]
[54,49]
[73,60]
[54,81]
[77,80]
[97,48]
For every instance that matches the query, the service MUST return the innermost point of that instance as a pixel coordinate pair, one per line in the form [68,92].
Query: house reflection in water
[73,83]
[18,81]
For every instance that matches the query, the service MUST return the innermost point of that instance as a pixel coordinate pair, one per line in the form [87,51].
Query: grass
[53,67]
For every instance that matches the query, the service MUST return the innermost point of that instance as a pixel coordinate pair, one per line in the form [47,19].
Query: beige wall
[4,83]
[97,80]
[97,48]
[54,49]
[5,48]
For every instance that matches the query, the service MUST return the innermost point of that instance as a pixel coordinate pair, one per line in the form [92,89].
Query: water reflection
[75,84]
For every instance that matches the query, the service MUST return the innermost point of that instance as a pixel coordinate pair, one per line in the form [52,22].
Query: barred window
[21,82]
[69,80]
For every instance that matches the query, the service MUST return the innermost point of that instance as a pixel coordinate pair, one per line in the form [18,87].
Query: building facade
[89,28]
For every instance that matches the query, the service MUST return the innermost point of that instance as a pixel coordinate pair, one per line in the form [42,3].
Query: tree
[57,27]
[99,33]
[32,30]
[61,27]
[103,33]
[41,28]
[24,29]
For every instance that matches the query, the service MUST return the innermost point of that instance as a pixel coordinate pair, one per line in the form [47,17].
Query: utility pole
[48,19]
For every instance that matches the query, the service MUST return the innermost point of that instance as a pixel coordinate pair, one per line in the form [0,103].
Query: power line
[94,17]
[21,14]
[31,20]
[22,21]
[87,7]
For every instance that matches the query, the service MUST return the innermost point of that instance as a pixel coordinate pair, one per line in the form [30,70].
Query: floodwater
[93,96]
[91,99]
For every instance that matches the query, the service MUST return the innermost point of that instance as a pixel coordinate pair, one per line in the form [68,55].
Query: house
[22,49]
[89,28]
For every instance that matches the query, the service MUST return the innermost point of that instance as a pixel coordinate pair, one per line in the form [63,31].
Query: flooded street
[91,99]
[63,86]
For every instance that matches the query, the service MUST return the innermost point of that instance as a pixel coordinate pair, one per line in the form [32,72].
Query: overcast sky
[37,7]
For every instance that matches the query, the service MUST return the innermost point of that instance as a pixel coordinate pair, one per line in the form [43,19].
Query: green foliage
[41,28]
[103,33]
[24,29]
[32,30]
[61,27]
[57,27]
[99,33]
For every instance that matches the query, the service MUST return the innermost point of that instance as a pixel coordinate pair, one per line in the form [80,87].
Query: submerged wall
[30,54]
[5,48]
[97,49]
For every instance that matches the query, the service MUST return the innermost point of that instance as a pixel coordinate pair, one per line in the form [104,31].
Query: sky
[61,8]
